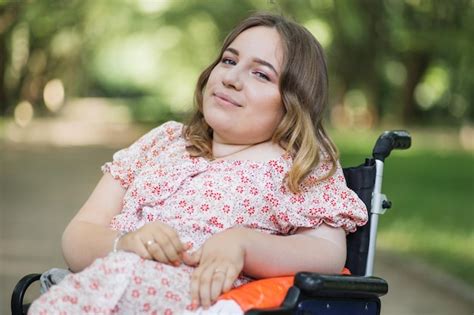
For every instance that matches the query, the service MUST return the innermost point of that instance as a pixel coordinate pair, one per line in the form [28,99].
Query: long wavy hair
[303,87]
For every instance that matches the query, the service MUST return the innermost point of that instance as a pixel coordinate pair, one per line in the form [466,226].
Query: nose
[232,78]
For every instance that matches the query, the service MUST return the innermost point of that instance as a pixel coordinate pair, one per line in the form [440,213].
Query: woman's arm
[322,250]
[260,255]
[88,235]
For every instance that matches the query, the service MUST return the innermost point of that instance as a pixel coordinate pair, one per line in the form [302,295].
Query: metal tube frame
[376,209]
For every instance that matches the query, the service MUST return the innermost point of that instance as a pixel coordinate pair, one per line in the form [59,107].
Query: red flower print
[251,210]
[168,312]
[94,285]
[239,189]
[244,179]
[165,282]
[156,190]
[190,209]
[182,203]
[152,290]
[269,186]
[265,209]
[326,197]
[214,221]
[226,208]
[146,307]
[254,191]
[217,196]
[135,294]
[297,198]
[273,219]
[239,220]
[283,217]
[137,280]
[205,207]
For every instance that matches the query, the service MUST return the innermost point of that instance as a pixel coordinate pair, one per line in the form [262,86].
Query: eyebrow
[257,60]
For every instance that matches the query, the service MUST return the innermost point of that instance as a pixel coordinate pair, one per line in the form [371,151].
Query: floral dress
[198,198]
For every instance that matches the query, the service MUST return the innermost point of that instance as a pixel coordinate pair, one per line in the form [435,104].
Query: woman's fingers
[231,275]
[205,282]
[192,259]
[173,249]
[218,279]
[156,252]
[208,282]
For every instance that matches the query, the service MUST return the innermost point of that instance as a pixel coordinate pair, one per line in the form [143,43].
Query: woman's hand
[219,262]
[155,240]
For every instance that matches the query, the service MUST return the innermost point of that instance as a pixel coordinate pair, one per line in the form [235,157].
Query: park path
[43,185]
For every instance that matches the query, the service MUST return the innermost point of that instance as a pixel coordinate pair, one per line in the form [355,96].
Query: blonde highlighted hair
[303,87]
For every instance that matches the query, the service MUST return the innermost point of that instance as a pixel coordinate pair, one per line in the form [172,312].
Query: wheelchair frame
[314,293]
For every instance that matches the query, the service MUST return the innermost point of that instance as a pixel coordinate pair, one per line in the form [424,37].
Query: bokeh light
[53,95]
[23,113]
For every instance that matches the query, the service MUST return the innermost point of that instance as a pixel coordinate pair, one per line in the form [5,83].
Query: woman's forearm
[83,242]
[271,255]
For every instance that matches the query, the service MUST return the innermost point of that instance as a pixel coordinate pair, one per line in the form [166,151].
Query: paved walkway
[43,186]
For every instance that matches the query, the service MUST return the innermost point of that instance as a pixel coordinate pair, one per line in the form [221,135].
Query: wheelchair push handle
[390,140]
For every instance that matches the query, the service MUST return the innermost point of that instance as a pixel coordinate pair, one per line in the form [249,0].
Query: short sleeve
[327,201]
[128,163]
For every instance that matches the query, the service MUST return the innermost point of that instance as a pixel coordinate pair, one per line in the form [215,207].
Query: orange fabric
[263,293]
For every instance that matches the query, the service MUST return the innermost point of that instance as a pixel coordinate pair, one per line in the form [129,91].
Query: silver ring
[150,242]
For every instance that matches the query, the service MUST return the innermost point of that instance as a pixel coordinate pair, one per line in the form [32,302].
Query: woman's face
[242,101]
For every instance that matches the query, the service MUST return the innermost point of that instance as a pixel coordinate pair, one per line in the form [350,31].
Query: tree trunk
[416,65]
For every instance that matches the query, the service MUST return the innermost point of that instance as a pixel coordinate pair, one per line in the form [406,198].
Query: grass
[432,189]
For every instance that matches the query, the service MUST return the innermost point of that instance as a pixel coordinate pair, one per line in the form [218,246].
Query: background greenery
[403,63]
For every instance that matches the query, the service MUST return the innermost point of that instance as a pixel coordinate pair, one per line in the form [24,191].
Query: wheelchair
[312,293]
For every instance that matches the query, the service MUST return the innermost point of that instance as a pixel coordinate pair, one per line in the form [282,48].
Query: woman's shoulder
[170,128]
[167,132]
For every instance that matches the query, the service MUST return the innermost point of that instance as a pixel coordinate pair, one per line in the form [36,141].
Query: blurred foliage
[392,60]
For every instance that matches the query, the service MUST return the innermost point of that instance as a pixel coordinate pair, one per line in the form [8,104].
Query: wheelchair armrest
[20,290]
[314,284]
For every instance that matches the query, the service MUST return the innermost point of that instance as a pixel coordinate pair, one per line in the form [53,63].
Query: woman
[241,192]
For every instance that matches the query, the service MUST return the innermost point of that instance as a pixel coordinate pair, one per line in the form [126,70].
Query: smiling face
[242,101]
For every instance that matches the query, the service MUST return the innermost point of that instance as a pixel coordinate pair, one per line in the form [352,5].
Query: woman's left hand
[219,262]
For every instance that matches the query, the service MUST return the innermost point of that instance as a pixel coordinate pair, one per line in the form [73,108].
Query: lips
[226,98]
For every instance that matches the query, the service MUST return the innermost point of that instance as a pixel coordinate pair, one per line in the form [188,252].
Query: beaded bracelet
[117,239]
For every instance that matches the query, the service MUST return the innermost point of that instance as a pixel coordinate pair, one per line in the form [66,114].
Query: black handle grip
[390,140]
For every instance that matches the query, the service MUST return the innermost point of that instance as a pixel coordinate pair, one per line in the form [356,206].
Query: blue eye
[262,75]
[228,61]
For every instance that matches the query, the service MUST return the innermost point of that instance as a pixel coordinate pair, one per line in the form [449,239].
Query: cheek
[270,102]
